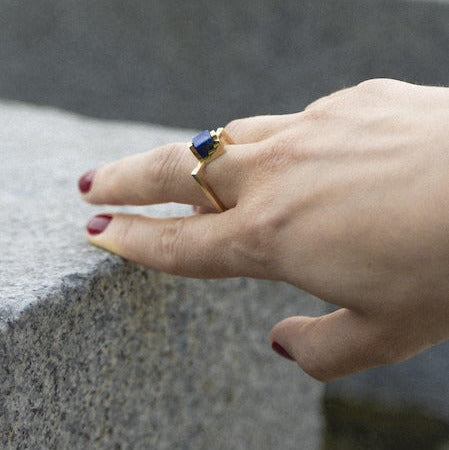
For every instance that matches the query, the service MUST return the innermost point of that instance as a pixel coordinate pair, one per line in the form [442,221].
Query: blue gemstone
[203,143]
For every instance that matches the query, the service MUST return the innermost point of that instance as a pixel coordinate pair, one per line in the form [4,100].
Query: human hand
[348,200]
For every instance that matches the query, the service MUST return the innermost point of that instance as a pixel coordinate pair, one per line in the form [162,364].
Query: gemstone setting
[203,143]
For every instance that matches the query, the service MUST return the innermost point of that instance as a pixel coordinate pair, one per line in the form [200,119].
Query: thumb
[330,346]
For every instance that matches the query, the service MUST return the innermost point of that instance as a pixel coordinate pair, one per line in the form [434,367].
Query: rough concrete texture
[200,64]
[99,353]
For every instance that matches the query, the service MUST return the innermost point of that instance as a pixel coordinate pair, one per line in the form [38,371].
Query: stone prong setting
[205,144]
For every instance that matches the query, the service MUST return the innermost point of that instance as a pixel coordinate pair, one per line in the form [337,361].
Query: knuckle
[320,111]
[164,167]
[275,151]
[281,151]
[126,231]
[321,107]
[317,104]
[235,126]
[170,246]
[257,240]
[377,84]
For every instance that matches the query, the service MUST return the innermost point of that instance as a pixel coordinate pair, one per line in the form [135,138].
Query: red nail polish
[98,224]
[85,182]
[280,350]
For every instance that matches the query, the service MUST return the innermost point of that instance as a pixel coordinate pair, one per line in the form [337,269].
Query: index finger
[163,175]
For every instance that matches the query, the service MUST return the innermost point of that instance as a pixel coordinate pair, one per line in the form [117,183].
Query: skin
[348,200]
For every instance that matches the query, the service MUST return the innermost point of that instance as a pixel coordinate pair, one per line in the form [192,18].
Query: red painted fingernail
[98,224]
[280,350]
[85,182]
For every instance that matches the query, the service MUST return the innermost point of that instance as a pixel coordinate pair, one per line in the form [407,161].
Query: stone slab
[99,353]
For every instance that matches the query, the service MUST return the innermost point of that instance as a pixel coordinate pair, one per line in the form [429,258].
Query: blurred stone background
[200,64]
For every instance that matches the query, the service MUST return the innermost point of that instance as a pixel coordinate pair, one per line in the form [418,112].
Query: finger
[195,246]
[258,128]
[164,175]
[330,346]
[327,99]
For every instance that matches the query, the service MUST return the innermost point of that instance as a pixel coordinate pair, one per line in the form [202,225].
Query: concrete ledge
[99,353]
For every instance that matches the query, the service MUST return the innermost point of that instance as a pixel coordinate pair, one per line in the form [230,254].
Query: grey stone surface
[200,64]
[99,353]
[43,153]
[420,383]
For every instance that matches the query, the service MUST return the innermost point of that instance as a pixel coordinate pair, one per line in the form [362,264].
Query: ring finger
[163,175]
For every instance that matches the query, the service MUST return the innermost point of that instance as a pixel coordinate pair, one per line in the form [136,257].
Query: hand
[348,200]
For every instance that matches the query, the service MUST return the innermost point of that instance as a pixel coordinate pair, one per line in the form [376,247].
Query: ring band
[207,146]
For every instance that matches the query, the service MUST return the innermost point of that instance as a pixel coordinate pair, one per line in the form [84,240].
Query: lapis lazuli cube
[203,143]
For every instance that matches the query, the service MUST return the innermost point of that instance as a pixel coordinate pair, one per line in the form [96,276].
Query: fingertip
[281,350]
[98,224]
[280,337]
[85,181]
[281,331]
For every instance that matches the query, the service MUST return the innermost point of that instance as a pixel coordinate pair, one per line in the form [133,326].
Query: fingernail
[85,182]
[98,224]
[280,350]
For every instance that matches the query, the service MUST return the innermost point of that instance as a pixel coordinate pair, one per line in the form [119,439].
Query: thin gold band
[219,137]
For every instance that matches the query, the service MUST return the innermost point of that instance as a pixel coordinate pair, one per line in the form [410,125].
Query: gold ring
[207,146]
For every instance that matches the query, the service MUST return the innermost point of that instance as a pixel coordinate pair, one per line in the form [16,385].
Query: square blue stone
[203,143]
